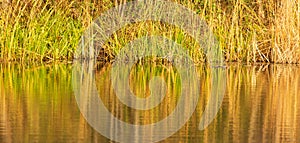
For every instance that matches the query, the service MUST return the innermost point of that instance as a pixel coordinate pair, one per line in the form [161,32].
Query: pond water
[261,104]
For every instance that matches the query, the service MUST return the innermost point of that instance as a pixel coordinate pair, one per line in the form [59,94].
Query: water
[261,104]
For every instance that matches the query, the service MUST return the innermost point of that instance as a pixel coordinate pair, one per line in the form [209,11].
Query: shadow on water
[261,103]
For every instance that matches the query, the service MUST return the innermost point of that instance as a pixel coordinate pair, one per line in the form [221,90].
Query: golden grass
[248,31]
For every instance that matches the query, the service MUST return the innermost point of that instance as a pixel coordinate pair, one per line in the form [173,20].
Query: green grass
[248,31]
[38,32]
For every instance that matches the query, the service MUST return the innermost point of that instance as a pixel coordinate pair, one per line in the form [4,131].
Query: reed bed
[248,31]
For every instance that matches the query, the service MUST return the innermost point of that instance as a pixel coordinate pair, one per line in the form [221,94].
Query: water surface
[261,103]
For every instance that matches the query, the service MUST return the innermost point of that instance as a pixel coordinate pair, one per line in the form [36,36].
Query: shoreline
[145,61]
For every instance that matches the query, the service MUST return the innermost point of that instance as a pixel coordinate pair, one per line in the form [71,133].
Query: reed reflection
[261,104]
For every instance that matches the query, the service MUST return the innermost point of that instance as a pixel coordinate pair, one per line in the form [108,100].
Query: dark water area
[261,104]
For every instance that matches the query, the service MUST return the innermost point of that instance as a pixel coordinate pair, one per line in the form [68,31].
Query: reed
[37,31]
[248,31]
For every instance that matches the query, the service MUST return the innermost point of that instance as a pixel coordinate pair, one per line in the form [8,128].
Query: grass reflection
[261,103]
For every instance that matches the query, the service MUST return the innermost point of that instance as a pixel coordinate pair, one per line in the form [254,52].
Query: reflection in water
[37,104]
